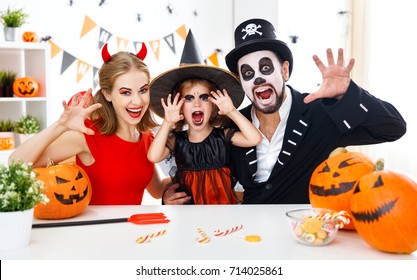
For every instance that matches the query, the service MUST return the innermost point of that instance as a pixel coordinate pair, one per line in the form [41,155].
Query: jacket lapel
[297,126]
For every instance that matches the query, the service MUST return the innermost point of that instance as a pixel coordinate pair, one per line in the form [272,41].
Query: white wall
[389,62]
[211,27]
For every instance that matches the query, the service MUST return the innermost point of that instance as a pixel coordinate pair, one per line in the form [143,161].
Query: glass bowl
[311,227]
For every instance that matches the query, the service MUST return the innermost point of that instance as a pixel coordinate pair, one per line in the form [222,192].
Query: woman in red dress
[109,138]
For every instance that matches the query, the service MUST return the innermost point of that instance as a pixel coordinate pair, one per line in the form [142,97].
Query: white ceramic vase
[24,137]
[15,229]
[11,34]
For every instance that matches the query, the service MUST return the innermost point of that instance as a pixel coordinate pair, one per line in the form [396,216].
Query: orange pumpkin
[7,140]
[29,36]
[68,189]
[384,211]
[332,182]
[26,87]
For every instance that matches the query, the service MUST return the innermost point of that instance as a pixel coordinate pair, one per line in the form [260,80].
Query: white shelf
[23,99]
[4,156]
[28,60]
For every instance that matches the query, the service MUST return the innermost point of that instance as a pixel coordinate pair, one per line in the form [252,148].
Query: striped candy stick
[228,231]
[148,237]
[203,236]
[343,217]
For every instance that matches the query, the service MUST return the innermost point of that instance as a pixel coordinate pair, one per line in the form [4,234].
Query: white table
[117,240]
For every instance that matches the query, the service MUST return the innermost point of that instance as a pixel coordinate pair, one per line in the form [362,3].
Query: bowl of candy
[316,226]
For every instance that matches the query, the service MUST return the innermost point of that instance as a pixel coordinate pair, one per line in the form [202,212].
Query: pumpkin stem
[50,163]
[337,151]
[379,165]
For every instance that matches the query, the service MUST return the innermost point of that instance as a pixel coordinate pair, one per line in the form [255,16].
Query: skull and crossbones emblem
[251,29]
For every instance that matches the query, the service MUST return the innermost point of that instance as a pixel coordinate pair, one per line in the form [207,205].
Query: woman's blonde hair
[105,118]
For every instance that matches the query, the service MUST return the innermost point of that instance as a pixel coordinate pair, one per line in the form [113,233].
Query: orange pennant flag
[213,58]
[87,26]
[182,31]
[82,68]
[155,47]
[54,48]
[121,44]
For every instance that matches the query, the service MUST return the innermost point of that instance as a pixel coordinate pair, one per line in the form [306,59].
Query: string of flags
[104,36]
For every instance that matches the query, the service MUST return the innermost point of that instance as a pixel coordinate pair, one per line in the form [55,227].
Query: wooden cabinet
[27,59]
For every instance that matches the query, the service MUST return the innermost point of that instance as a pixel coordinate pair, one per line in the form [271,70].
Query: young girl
[201,152]
[110,138]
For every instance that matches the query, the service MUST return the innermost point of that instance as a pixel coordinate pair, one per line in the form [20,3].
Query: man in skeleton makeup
[299,130]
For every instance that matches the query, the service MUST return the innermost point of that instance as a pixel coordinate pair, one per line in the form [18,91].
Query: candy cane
[148,238]
[342,216]
[204,238]
[228,231]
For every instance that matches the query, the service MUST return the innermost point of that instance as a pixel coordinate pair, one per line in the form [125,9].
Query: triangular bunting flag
[54,49]
[169,39]
[104,36]
[213,59]
[82,68]
[121,44]
[155,47]
[95,76]
[87,26]
[67,60]
[182,31]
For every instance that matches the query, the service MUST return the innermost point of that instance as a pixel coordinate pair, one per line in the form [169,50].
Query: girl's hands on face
[172,109]
[73,116]
[222,101]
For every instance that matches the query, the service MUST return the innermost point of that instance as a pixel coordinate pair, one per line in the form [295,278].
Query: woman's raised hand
[74,115]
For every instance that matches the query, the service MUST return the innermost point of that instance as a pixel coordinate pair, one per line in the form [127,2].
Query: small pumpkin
[29,36]
[332,182]
[7,140]
[384,210]
[68,189]
[26,87]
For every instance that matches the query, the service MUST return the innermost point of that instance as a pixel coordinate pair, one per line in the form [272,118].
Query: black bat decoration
[170,9]
[46,38]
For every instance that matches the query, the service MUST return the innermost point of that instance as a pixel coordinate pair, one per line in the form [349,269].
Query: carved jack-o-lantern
[26,87]
[6,141]
[331,184]
[68,189]
[29,36]
[384,210]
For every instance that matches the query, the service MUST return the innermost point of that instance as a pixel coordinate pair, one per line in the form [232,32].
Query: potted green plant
[12,20]
[26,126]
[7,79]
[2,73]
[6,134]
[20,191]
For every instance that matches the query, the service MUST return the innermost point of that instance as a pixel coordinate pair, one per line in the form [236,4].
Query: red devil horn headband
[106,56]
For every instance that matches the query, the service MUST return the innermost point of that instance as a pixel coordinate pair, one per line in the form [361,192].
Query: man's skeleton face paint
[262,80]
